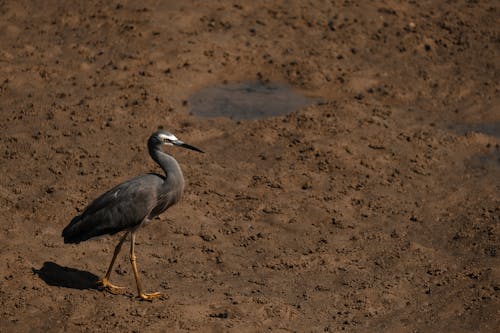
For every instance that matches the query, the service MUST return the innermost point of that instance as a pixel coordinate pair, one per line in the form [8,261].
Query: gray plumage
[134,201]
[128,205]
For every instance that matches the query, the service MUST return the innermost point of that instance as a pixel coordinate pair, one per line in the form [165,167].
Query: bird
[131,204]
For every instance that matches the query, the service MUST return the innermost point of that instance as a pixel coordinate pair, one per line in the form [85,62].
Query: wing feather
[120,208]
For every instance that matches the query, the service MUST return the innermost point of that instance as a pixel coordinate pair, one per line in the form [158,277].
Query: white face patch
[168,136]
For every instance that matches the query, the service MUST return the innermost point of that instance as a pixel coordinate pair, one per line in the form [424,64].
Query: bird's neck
[169,165]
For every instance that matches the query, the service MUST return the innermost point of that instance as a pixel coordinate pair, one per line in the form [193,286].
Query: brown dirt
[375,210]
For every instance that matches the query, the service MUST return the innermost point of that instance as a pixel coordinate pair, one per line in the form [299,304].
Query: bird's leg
[133,260]
[103,282]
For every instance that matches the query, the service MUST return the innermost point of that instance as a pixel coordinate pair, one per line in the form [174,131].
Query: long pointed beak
[185,145]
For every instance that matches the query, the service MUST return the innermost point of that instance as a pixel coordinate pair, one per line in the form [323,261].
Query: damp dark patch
[247,100]
[486,161]
[488,128]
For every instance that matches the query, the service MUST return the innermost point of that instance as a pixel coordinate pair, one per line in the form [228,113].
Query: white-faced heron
[130,205]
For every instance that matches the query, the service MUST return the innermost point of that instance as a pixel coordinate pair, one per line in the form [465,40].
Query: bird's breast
[169,194]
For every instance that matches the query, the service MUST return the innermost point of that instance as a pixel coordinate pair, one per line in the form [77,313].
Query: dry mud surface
[373,210]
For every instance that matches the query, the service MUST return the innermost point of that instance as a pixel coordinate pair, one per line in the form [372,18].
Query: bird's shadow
[55,275]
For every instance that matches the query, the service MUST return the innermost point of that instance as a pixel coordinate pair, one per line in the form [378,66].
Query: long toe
[149,297]
[116,290]
[104,284]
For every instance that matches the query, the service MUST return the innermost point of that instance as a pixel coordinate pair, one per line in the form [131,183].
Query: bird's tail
[81,228]
[84,227]
[73,231]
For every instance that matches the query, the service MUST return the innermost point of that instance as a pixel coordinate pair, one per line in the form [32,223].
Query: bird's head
[162,137]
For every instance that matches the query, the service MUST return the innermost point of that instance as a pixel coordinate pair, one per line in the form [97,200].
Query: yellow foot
[104,284]
[149,297]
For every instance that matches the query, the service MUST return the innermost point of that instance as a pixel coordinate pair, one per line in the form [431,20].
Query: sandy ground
[376,209]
